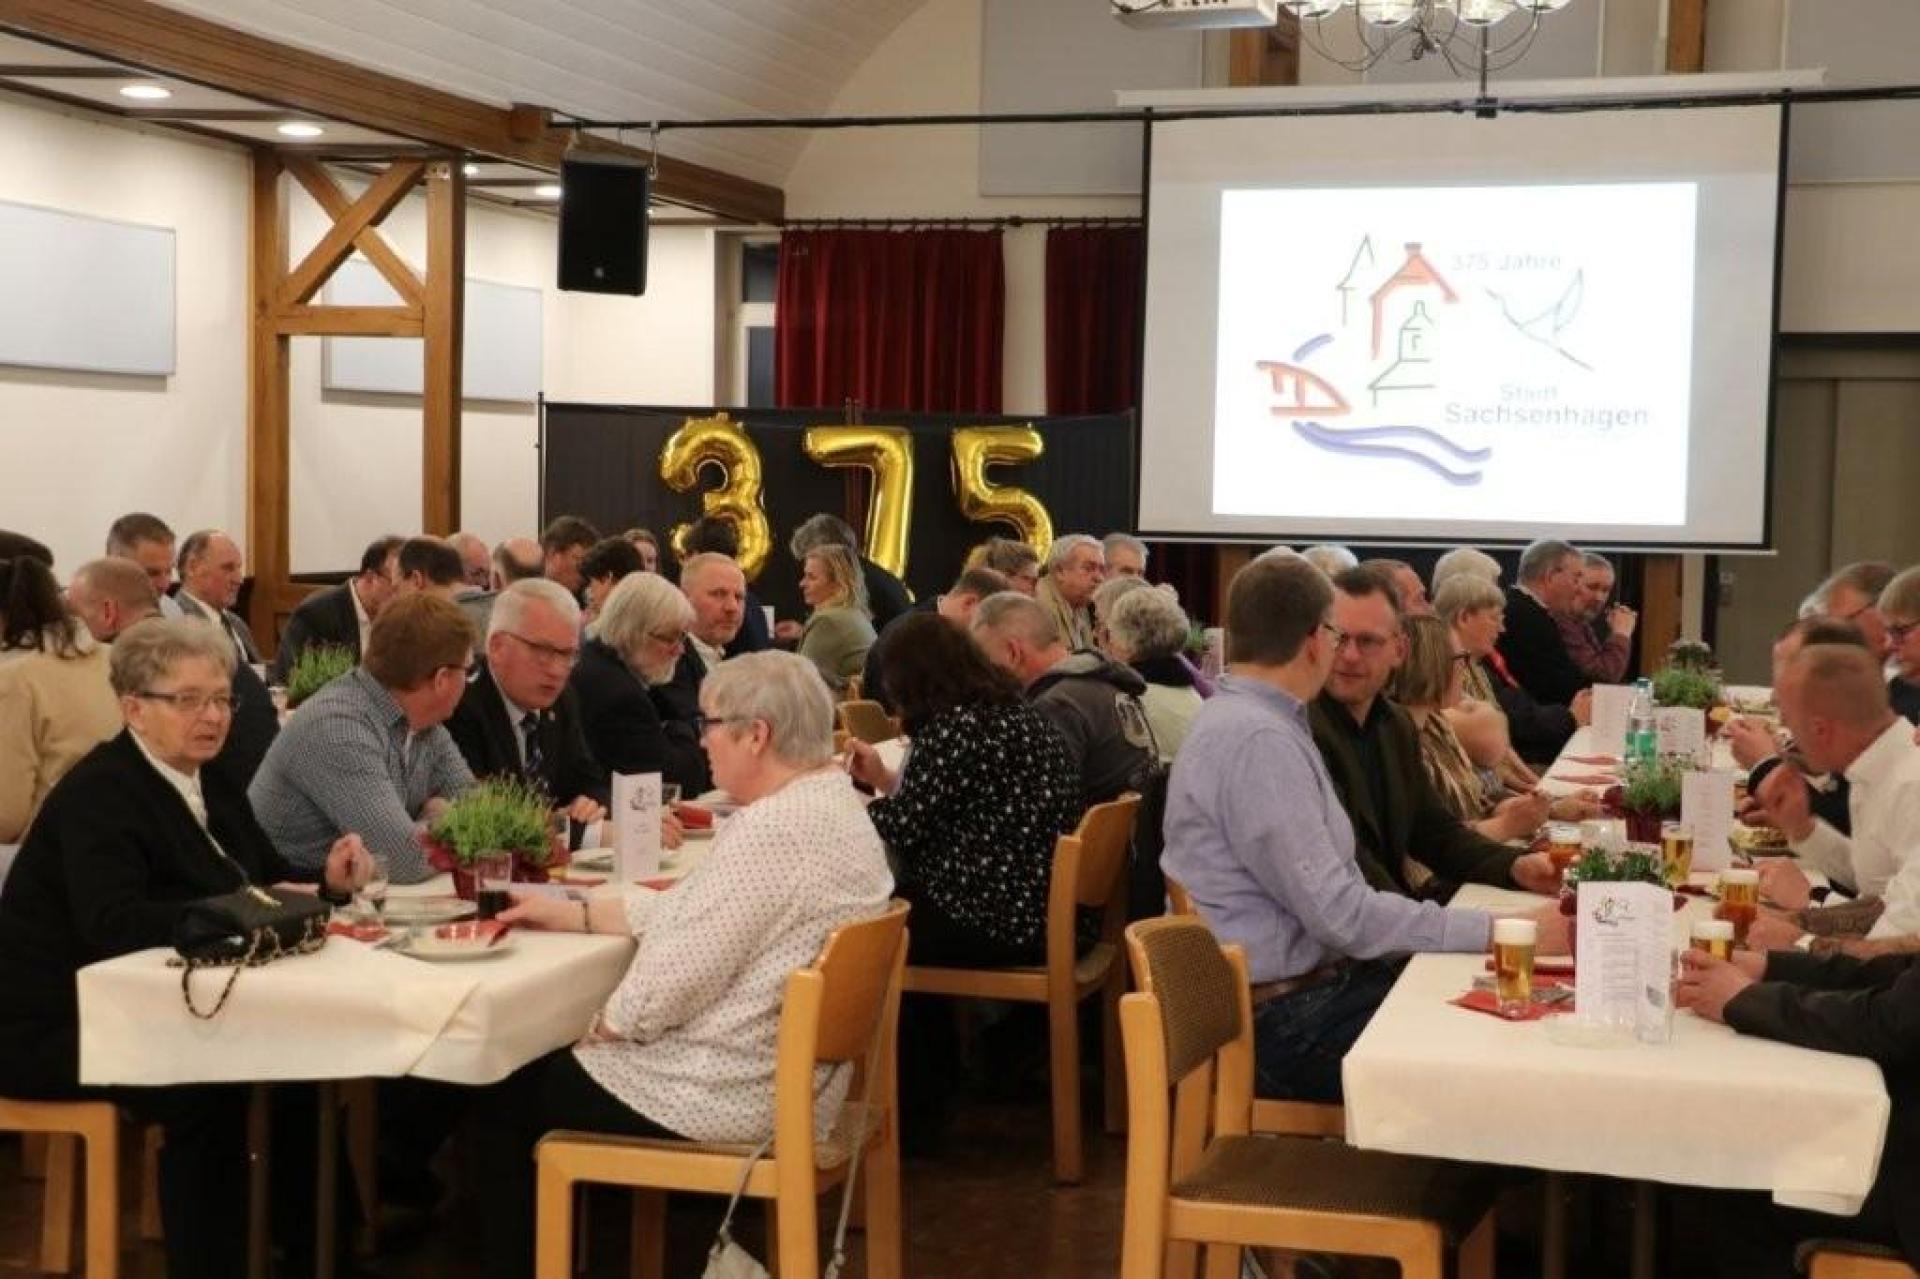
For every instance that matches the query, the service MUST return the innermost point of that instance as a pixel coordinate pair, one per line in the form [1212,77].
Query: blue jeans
[1299,1038]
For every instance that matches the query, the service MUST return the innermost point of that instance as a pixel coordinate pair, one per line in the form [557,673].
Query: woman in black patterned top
[970,821]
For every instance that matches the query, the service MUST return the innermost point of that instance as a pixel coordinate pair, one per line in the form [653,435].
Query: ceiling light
[145,92]
[1460,33]
[298,130]
[471,170]
[548,191]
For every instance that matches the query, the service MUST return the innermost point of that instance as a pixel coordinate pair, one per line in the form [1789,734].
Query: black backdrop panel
[602,462]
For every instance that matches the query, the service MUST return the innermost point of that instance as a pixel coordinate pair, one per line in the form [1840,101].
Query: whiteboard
[85,293]
[501,342]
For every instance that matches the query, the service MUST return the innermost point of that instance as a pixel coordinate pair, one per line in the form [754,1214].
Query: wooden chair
[1088,870]
[832,1012]
[70,1125]
[1295,1118]
[1845,1259]
[868,721]
[1197,1176]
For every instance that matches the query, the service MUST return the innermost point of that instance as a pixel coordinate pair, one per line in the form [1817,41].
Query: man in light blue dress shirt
[1256,834]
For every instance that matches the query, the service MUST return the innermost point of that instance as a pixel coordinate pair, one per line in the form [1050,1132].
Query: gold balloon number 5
[975,448]
[886,452]
[720,441]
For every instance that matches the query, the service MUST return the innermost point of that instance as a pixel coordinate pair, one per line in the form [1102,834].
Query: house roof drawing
[1415,273]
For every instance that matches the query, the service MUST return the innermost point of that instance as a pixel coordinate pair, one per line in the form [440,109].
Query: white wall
[76,449]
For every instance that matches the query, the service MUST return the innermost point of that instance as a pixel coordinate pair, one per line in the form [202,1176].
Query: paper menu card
[1623,971]
[1706,808]
[1683,732]
[1611,702]
[636,826]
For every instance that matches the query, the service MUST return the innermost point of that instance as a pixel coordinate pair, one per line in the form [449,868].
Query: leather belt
[1270,990]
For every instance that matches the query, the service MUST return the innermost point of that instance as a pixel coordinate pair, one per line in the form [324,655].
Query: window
[750,272]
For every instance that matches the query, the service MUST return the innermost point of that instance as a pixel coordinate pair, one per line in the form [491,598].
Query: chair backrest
[868,721]
[1088,868]
[1177,959]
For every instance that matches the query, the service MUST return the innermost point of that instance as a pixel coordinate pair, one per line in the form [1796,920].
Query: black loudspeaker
[603,227]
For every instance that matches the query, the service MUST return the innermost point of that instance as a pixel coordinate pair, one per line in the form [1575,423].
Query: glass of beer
[1563,844]
[1676,852]
[1513,941]
[1739,899]
[1715,936]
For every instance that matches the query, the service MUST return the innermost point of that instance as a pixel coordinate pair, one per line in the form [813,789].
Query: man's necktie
[530,740]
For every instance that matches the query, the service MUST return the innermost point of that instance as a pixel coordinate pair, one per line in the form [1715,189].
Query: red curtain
[1093,318]
[907,320]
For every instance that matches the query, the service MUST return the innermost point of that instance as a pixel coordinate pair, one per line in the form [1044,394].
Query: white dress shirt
[709,656]
[1882,859]
[360,617]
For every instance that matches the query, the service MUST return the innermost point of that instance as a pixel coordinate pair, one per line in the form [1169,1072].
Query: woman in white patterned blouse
[685,1044]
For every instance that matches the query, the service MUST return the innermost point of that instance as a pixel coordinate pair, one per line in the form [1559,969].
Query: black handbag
[245,928]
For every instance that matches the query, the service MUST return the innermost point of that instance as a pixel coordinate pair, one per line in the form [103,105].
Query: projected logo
[1404,316]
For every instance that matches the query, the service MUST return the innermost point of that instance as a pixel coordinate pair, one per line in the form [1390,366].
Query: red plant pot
[1643,828]
[466,884]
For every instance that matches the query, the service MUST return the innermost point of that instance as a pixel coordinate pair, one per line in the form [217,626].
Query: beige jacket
[53,710]
[1076,624]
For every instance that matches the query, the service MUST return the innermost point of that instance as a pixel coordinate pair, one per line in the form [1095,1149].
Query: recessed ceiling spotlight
[548,191]
[298,130]
[145,92]
[471,170]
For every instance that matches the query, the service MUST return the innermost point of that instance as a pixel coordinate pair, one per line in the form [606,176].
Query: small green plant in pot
[498,814]
[1648,794]
[317,666]
[1598,866]
[1686,686]
[1690,654]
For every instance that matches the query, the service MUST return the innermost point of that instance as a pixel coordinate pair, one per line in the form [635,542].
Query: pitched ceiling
[604,59]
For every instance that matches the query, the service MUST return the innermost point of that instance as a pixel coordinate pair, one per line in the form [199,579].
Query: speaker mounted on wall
[603,226]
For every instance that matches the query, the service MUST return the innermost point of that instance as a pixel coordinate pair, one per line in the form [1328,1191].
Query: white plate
[426,910]
[453,952]
[592,859]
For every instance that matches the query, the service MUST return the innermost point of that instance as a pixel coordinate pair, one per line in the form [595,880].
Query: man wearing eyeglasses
[1899,609]
[1535,654]
[1405,838]
[369,754]
[519,718]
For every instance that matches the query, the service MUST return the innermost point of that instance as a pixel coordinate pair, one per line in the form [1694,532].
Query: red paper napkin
[1597,761]
[658,885]
[1485,1001]
[1587,779]
[359,932]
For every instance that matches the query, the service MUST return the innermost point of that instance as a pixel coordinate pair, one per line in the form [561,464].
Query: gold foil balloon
[975,448]
[887,453]
[720,441]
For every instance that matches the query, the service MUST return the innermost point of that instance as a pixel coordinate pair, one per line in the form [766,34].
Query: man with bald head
[476,562]
[211,571]
[1833,699]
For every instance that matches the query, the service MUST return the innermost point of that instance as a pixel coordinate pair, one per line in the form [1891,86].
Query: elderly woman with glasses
[1474,609]
[839,630]
[632,646]
[134,832]
[685,1045]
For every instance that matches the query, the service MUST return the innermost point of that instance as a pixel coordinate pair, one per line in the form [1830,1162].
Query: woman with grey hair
[636,642]
[839,630]
[1475,610]
[133,833]
[1464,561]
[685,1045]
[1146,630]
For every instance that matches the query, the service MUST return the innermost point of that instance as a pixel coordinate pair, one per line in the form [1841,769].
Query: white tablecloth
[1554,781]
[1711,1108]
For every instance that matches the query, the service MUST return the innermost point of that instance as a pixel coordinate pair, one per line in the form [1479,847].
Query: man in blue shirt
[1256,833]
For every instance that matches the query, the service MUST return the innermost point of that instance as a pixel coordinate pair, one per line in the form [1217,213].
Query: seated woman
[685,1044]
[128,837]
[633,644]
[1475,610]
[55,701]
[1146,630]
[970,821]
[839,630]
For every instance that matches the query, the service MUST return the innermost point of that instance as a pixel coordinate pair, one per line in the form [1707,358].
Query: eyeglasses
[1462,658]
[1366,645]
[466,669]
[547,652]
[701,723]
[668,639]
[1898,631]
[193,704]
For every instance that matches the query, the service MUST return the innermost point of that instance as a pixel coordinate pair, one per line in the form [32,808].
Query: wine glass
[370,897]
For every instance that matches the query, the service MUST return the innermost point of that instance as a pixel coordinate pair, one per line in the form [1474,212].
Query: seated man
[1076,565]
[430,566]
[1409,592]
[147,541]
[1899,609]
[211,572]
[1598,639]
[1092,700]
[369,754]
[1760,748]
[1126,555]
[1406,839]
[518,717]
[956,605]
[1535,655]
[1852,594]
[475,560]
[340,615]
[717,589]
[1834,703]
[1836,1004]
[716,535]
[1256,833]
[564,543]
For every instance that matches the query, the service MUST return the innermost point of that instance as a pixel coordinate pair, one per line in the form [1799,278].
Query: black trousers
[548,1093]
[1745,1235]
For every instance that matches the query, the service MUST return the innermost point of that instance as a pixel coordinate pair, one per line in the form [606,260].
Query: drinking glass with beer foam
[1739,899]
[1714,936]
[1513,943]
[1676,852]
[1563,844]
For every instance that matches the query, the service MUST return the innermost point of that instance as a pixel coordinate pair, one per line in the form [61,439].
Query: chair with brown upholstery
[868,721]
[72,1126]
[1297,1118]
[844,1007]
[1197,1176]
[1845,1259]
[1088,870]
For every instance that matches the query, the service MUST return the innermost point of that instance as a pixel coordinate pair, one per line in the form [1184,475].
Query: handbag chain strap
[263,948]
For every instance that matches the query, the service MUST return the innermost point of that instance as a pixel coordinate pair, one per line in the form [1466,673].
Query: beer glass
[1676,852]
[1563,844]
[1739,899]
[1513,942]
[1714,936]
[493,880]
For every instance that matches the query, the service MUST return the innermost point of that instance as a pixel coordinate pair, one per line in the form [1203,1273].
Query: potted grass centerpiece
[1648,794]
[496,815]
[317,666]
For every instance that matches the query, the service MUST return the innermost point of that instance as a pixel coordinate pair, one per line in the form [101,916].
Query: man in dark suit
[1834,1003]
[717,589]
[886,595]
[712,535]
[340,615]
[1405,839]
[211,572]
[1549,585]
[518,718]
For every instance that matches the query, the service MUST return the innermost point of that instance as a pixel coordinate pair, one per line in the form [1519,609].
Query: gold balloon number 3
[886,452]
[975,448]
[720,441]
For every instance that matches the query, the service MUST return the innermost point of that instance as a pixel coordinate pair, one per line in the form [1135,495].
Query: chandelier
[1473,37]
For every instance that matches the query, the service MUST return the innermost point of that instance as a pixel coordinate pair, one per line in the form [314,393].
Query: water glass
[492,881]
